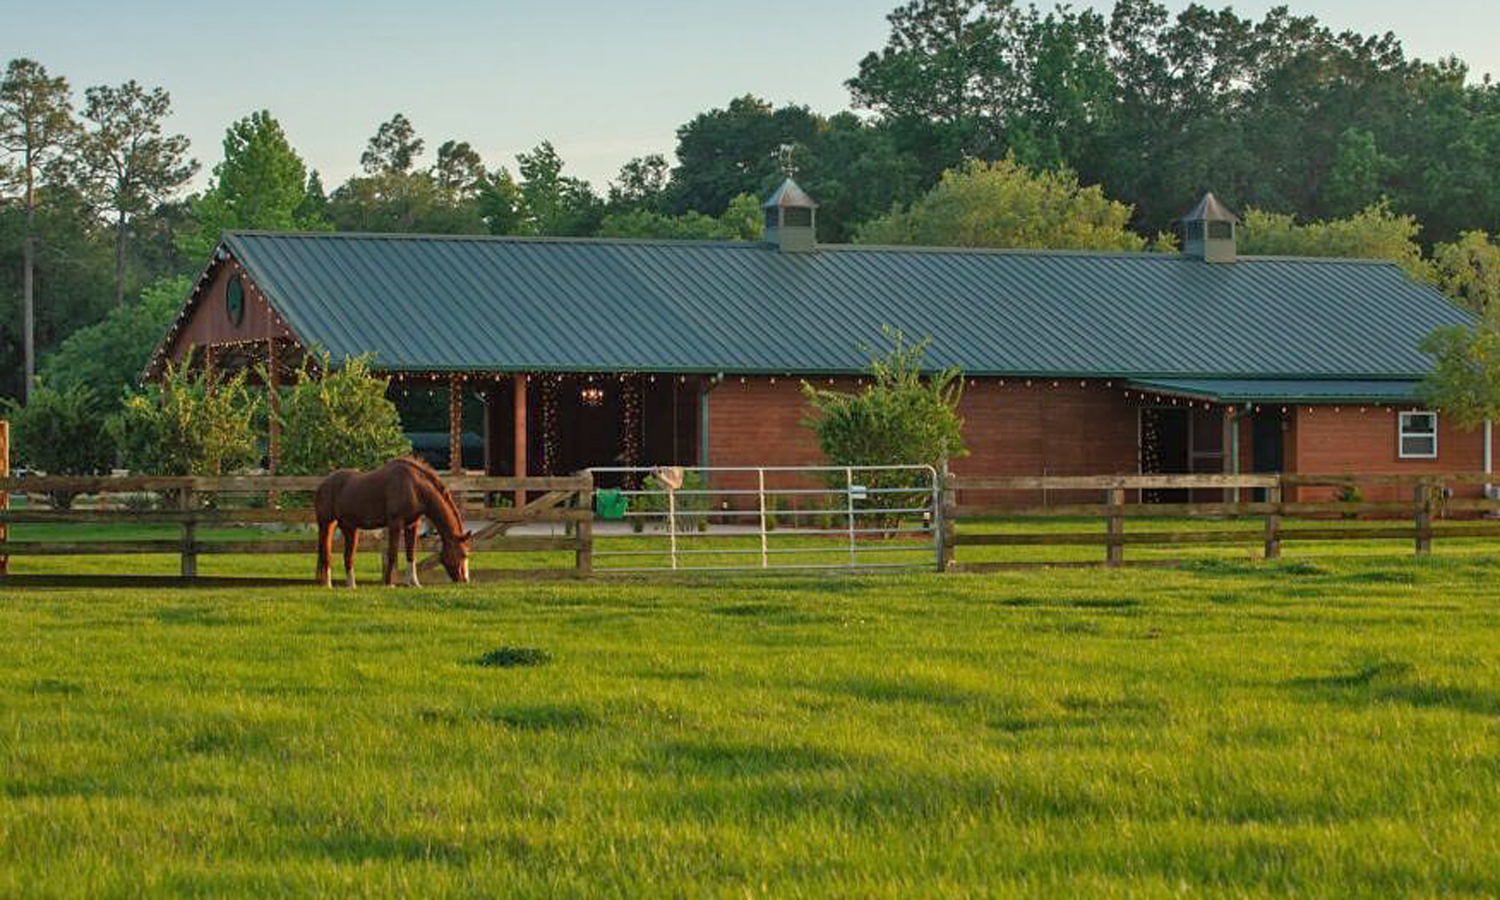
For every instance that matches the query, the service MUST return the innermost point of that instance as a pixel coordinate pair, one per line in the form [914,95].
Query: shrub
[686,503]
[61,432]
[903,418]
[190,424]
[339,419]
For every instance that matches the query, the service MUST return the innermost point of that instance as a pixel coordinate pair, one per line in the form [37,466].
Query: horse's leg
[325,553]
[393,531]
[411,555]
[351,541]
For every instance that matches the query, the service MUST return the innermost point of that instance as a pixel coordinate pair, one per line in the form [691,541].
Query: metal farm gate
[768,517]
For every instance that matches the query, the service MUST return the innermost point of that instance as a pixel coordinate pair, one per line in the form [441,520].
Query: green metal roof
[514,304]
[1232,391]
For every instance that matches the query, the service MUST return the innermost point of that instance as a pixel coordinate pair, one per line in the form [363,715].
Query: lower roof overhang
[1235,391]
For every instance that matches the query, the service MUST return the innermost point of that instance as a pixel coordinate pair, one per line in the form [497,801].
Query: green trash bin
[610,503]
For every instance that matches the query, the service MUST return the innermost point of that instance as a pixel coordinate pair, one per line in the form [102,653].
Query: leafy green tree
[339,418]
[1374,233]
[742,221]
[393,149]
[1358,174]
[641,185]
[36,127]
[260,184]
[109,356]
[1468,271]
[459,172]
[127,164]
[60,432]
[72,265]
[1465,379]
[904,417]
[410,203]
[190,423]
[726,152]
[1007,205]
[554,203]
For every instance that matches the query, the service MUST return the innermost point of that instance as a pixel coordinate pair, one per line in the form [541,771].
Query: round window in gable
[234,301]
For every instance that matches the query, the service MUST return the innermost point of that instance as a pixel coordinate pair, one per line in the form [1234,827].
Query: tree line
[1330,142]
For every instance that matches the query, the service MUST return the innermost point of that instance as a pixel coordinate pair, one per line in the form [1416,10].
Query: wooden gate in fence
[1122,498]
[191,504]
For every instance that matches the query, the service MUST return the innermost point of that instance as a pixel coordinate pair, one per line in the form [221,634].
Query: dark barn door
[1267,446]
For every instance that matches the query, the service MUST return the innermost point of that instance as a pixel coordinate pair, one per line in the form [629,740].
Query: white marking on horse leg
[349,577]
[411,573]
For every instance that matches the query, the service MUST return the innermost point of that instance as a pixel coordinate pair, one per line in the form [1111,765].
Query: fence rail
[193,502]
[1431,500]
[1431,507]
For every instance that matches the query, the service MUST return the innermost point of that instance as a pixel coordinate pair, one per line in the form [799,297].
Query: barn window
[1418,435]
[797,217]
[1221,231]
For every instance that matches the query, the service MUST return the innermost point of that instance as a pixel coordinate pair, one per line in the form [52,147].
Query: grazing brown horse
[394,497]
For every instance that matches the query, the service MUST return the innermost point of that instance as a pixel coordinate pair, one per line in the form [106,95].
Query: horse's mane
[428,473]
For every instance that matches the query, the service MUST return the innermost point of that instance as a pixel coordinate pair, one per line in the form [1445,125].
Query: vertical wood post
[519,414]
[1422,507]
[584,557]
[1273,524]
[273,426]
[4,495]
[1114,553]
[189,535]
[455,425]
[947,524]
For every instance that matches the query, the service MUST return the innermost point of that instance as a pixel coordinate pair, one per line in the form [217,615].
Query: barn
[595,352]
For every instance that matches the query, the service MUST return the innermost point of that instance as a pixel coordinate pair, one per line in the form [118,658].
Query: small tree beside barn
[901,418]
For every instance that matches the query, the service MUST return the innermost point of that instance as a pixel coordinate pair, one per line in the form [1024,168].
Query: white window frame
[1401,434]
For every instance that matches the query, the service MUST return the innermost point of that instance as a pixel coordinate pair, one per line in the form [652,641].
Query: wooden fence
[193,503]
[1429,505]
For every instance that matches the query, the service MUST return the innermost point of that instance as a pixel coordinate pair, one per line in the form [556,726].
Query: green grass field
[1321,728]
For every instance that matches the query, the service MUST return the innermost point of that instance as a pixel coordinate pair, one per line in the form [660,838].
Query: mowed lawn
[1323,728]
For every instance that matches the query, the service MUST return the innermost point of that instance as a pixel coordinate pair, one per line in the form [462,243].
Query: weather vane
[784,158]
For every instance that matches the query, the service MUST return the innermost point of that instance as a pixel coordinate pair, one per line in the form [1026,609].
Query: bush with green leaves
[691,507]
[190,423]
[61,432]
[905,417]
[338,418]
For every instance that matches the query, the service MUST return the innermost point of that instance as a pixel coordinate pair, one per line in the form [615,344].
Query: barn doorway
[577,422]
[1180,440]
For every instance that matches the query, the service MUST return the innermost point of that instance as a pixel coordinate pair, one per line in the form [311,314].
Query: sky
[604,80]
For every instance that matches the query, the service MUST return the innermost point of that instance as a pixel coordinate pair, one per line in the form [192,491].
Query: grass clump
[511,657]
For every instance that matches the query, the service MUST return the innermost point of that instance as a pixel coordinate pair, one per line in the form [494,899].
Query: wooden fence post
[947,524]
[1114,552]
[189,535]
[4,495]
[1273,524]
[583,559]
[1422,505]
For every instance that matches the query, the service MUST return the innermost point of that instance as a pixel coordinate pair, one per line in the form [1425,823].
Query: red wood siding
[208,322]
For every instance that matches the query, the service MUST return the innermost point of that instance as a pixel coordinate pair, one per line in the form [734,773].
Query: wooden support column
[455,425]
[1273,524]
[519,412]
[273,426]
[1422,513]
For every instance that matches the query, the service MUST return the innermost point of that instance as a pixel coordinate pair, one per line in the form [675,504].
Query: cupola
[1208,231]
[791,219]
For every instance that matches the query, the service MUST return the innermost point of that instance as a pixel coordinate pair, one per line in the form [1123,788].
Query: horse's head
[455,557]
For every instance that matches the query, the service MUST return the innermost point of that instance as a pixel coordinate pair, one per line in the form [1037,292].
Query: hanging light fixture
[591,395]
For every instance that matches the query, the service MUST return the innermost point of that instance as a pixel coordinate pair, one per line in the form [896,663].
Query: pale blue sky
[604,80]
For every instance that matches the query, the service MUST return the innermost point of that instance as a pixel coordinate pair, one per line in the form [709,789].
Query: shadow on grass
[901,690]
[725,759]
[538,717]
[206,616]
[1389,681]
